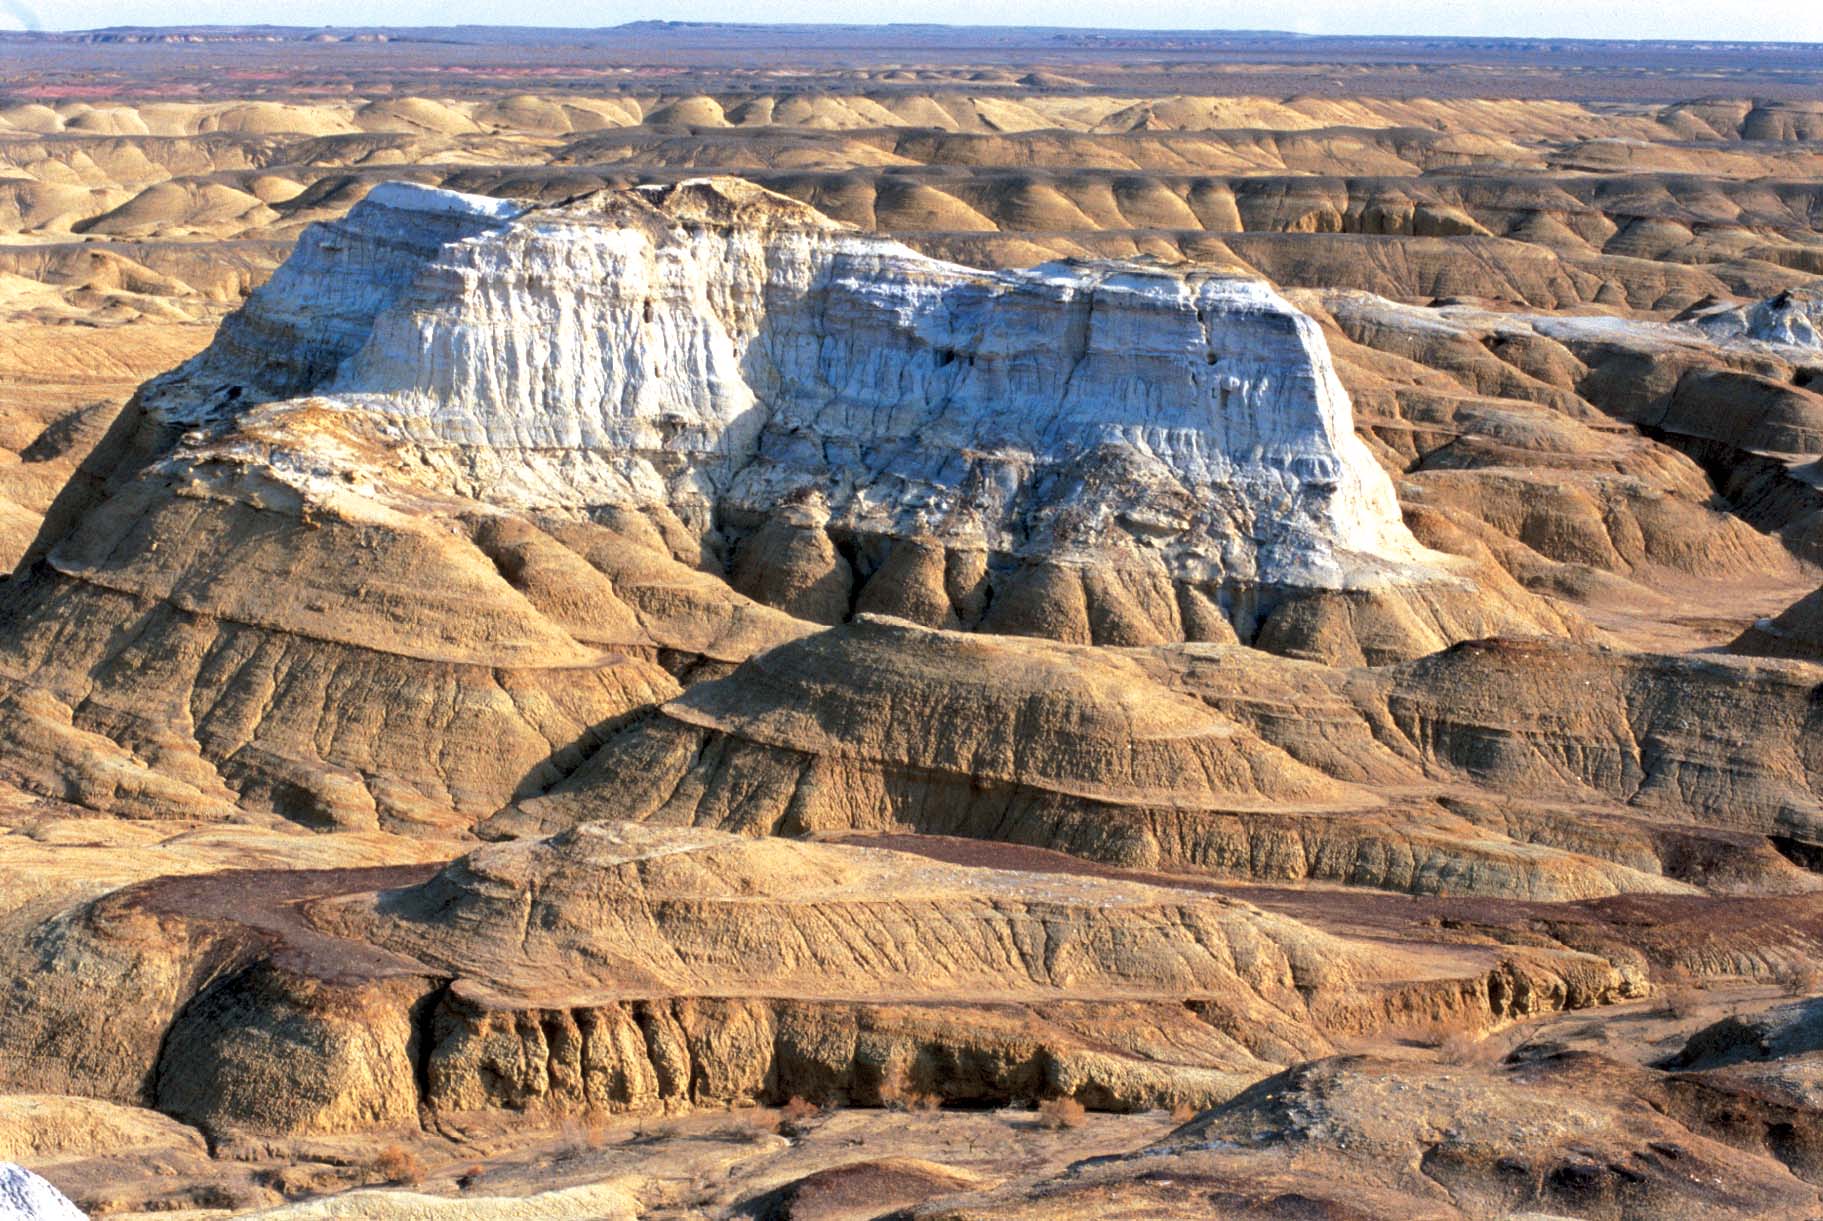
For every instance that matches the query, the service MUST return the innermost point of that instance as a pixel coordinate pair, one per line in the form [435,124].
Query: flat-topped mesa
[754,366]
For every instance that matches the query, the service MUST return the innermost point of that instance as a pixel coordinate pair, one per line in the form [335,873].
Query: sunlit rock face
[732,354]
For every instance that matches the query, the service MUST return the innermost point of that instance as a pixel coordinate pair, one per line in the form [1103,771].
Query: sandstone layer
[661,969]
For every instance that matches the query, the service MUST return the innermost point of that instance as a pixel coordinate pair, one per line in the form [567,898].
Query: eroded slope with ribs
[508,464]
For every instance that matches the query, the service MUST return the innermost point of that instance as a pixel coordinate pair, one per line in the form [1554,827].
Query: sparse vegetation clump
[652,1129]
[752,1124]
[578,1135]
[1799,979]
[796,1116]
[1057,1114]
[898,1094]
[1450,1042]
[1461,1047]
[1679,995]
[399,1166]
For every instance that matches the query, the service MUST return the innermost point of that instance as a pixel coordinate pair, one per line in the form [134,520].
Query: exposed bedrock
[540,463]
[621,967]
[1796,631]
[1123,454]
[1227,762]
[1507,418]
[1574,1135]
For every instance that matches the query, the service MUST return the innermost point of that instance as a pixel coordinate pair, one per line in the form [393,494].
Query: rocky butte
[1104,452]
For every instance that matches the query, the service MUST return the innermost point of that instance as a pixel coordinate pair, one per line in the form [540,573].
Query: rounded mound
[1067,719]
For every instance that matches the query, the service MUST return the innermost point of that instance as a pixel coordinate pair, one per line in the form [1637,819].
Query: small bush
[397,1164]
[1678,995]
[752,1123]
[1056,1114]
[1680,1003]
[1461,1048]
[796,1115]
[1431,1035]
[703,1193]
[897,1093]
[1800,979]
[653,1128]
[900,1099]
[577,1135]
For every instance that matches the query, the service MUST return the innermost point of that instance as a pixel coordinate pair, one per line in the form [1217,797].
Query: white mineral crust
[26,1197]
[1790,319]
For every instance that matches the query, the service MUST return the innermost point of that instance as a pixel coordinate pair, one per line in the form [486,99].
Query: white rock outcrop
[26,1197]
[729,353]
[1793,318]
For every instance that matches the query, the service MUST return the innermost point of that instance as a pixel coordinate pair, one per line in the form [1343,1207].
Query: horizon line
[663,23]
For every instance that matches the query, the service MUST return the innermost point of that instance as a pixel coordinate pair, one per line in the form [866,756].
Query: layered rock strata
[621,967]
[471,473]
[1090,452]
[1222,761]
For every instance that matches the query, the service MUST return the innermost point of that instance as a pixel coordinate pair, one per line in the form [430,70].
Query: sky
[1785,20]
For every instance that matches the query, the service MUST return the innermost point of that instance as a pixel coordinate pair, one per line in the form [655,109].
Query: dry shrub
[1432,1035]
[702,1193]
[1183,1113]
[397,1164]
[1456,1044]
[313,1180]
[653,1128]
[795,1116]
[1056,1114]
[468,1178]
[1452,1042]
[898,1094]
[1679,994]
[1461,1047]
[576,1136]
[1799,979]
[893,1087]
[753,1123]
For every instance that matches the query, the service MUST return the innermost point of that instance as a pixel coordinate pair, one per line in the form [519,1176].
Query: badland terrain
[840,622]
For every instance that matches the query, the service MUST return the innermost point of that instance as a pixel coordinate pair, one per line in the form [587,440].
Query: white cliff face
[729,353]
